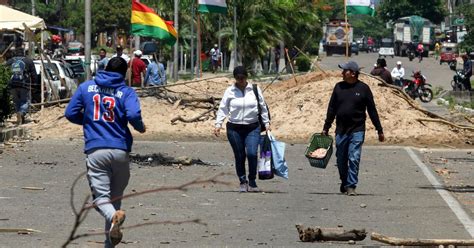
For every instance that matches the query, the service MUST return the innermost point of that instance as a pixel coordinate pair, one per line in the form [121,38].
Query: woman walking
[240,105]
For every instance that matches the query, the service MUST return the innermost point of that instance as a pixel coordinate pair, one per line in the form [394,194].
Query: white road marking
[447,197]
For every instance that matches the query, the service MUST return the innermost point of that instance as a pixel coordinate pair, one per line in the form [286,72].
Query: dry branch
[312,234]
[447,123]
[420,242]
[196,118]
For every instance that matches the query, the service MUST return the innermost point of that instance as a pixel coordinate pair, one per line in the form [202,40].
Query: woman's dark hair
[240,70]
[117,64]
[381,62]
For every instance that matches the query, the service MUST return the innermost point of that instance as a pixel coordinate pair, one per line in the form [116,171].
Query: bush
[303,63]
[6,107]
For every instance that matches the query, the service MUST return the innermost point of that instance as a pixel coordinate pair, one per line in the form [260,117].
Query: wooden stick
[447,123]
[291,65]
[179,118]
[420,242]
[22,230]
[312,234]
[51,102]
[315,62]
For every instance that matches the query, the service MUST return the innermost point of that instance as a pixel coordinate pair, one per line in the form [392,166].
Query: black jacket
[348,105]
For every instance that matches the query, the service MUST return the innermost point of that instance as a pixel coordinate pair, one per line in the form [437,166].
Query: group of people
[152,74]
[105,105]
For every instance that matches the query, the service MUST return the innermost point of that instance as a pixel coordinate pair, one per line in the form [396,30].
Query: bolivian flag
[145,22]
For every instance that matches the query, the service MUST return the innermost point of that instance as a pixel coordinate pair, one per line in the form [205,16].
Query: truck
[412,30]
[337,33]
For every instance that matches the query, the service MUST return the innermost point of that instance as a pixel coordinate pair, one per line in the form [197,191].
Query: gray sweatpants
[108,172]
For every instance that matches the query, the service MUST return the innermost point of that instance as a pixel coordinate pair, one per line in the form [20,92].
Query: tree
[468,11]
[365,25]
[432,10]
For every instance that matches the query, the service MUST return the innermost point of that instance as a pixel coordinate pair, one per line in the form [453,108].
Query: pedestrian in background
[381,71]
[239,104]
[437,50]
[119,53]
[104,107]
[23,76]
[350,99]
[155,73]
[398,73]
[138,68]
[467,70]
[215,56]
[103,60]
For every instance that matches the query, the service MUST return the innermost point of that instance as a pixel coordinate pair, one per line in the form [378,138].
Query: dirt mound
[298,110]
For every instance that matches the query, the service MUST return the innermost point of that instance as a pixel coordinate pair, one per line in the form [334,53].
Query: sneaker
[342,189]
[253,189]
[115,234]
[351,192]
[243,187]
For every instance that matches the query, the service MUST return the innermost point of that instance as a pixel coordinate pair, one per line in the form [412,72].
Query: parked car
[448,53]
[386,48]
[60,80]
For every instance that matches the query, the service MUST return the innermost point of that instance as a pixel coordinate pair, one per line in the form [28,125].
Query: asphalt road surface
[399,195]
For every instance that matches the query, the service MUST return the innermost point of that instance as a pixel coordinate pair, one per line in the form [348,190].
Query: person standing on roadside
[215,56]
[138,68]
[467,70]
[119,53]
[103,60]
[350,99]
[104,106]
[381,70]
[23,77]
[155,73]
[240,104]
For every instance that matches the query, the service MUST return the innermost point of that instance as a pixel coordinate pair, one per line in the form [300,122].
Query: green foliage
[468,12]
[437,90]
[6,108]
[433,10]
[365,25]
[303,63]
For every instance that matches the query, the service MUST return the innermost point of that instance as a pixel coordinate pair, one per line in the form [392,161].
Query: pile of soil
[298,109]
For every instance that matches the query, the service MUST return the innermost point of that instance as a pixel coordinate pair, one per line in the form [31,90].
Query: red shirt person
[138,69]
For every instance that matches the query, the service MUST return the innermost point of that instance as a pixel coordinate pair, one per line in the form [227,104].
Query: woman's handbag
[262,125]
[265,170]
[280,168]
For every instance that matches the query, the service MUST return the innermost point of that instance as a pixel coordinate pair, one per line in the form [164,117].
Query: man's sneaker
[115,235]
[253,189]
[243,187]
[342,189]
[351,192]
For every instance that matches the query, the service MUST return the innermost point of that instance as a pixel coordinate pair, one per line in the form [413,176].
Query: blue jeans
[21,99]
[244,140]
[349,149]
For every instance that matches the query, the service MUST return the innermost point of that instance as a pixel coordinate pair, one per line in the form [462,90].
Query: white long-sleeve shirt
[241,107]
[398,72]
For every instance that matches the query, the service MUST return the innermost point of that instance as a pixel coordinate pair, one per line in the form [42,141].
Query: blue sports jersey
[104,107]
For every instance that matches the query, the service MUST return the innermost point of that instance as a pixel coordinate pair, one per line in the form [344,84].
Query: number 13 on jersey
[109,105]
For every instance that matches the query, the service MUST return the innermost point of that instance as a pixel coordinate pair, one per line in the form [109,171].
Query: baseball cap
[138,53]
[215,45]
[351,65]
[399,62]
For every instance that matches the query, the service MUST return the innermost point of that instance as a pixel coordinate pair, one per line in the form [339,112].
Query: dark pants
[467,83]
[21,100]
[348,153]
[244,140]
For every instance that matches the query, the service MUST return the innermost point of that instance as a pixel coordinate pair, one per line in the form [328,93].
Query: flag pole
[347,28]
[198,55]
[192,40]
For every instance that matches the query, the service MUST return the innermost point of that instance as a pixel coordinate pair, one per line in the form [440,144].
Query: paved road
[396,198]
[437,75]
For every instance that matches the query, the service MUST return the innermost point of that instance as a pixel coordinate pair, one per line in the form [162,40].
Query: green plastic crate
[319,141]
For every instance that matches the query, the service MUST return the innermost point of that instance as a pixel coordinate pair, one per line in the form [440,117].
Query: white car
[59,78]
[386,48]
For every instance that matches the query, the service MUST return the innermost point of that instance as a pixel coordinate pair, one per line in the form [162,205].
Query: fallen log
[196,118]
[420,242]
[312,234]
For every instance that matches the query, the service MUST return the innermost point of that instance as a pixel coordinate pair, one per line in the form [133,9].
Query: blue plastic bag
[278,157]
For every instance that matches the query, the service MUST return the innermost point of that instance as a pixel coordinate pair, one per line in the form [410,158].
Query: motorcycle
[411,55]
[418,87]
[457,82]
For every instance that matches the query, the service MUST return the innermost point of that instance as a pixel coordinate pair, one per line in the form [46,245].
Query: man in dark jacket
[104,107]
[23,76]
[381,71]
[350,100]
[467,70]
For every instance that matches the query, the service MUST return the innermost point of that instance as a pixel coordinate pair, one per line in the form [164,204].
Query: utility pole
[87,48]
[235,36]
[176,26]
[192,40]
[33,8]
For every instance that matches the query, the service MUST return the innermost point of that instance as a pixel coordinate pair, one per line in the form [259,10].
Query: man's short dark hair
[103,50]
[117,64]
[381,62]
[240,70]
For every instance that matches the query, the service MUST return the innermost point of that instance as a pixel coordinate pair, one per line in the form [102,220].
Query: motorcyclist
[418,80]
[398,73]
